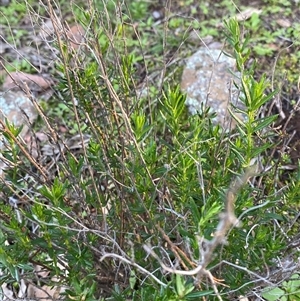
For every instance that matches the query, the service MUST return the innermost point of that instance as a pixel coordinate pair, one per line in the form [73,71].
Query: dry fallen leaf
[7,293]
[75,35]
[22,289]
[47,29]
[244,15]
[41,136]
[34,82]
[45,293]
[284,23]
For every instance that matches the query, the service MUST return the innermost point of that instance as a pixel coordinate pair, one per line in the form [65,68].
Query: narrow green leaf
[179,285]
[196,295]
[259,150]
[245,84]
[265,99]
[264,122]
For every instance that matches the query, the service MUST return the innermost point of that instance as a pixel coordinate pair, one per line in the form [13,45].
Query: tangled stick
[227,220]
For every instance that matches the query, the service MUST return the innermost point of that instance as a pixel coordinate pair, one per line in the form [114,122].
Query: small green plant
[13,13]
[253,96]
[288,291]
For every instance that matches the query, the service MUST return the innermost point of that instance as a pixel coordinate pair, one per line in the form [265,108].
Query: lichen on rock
[208,82]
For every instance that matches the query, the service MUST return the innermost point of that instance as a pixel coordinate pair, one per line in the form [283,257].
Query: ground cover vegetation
[127,196]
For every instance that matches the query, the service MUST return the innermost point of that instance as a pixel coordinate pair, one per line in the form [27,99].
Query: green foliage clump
[146,186]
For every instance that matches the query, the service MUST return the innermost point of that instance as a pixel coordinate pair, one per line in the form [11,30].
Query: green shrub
[132,208]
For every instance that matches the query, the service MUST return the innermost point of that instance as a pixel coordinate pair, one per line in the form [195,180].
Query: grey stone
[207,81]
[19,110]
[4,2]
